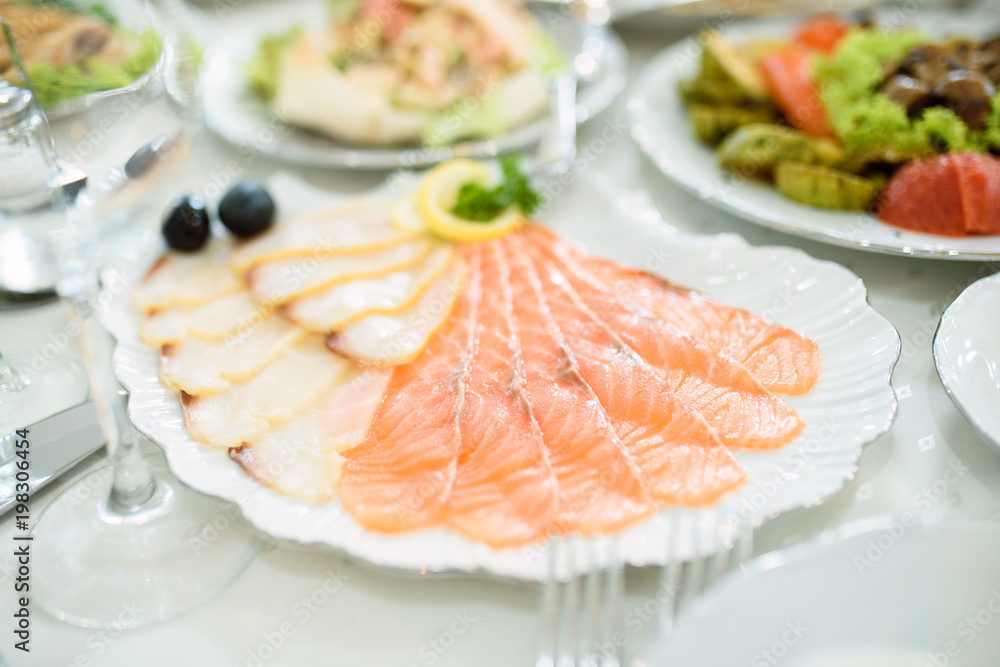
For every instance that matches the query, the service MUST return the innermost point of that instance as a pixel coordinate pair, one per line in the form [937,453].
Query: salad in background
[71,49]
[853,117]
[398,71]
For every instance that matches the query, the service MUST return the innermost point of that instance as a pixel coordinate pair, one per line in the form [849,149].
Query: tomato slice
[789,78]
[821,33]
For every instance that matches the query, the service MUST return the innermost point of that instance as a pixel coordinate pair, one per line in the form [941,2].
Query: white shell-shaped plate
[852,404]
[661,128]
[967,355]
[234,114]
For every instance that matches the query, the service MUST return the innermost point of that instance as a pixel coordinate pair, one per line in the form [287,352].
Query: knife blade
[57,444]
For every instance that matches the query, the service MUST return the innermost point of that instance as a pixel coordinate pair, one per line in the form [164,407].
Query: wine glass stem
[133,484]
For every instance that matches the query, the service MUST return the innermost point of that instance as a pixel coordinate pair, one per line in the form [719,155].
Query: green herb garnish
[481,204]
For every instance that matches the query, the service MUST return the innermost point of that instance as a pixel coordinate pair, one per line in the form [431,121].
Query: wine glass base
[98,569]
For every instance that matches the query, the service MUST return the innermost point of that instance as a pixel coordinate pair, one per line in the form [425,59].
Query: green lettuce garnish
[868,122]
[54,83]
[262,69]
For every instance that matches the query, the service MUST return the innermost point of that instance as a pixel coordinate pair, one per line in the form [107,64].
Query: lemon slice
[438,193]
[405,216]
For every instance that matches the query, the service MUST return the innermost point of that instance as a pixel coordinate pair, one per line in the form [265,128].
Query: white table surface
[377,619]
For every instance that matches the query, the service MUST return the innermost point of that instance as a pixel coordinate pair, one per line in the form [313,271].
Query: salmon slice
[682,460]
[505,490]
[303,458]
[600,489]
[783,360]
[400,477]
[732,401]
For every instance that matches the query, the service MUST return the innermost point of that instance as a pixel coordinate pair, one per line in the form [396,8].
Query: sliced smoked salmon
[400,477]
[505,492]
[599,484]
[783,360]
[732,401]
[681,458]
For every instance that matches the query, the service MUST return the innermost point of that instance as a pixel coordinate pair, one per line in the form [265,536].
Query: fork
[581,602]
[583,595]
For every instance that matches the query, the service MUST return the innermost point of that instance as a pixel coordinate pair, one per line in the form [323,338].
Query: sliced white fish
[214,320]
[302,458]
[279,281]
[187,279]
[397,338]
[280,393]
[202,367]
[340,305]
[344,230]
[314,94]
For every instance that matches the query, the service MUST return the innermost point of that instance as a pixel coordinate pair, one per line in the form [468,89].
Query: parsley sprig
[479,203]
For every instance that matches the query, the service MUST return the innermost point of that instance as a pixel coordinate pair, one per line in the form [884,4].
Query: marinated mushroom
[967,93]
[929,63]
[912,94]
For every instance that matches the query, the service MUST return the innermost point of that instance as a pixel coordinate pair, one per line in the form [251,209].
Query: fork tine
[590,635]
[569,635]
[548,634]
[614,589]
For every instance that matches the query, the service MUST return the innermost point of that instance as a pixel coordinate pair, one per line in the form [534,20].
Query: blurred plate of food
[380,85]
[77,53]
[875,136]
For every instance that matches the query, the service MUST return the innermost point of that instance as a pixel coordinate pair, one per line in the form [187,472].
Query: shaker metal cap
[15,105]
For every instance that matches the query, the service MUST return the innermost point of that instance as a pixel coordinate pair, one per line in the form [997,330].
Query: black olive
[186,226]
[247,209]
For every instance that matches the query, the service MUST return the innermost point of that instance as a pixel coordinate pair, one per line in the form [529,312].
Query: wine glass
[127,545]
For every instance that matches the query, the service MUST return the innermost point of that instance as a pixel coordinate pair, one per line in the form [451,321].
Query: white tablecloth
[277,615]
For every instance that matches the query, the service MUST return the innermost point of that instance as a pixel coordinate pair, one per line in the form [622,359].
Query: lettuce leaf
[54,83]
[262,69]
[868,122]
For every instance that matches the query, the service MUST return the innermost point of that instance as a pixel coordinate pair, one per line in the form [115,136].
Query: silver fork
[687,579]
[583,595]
[581,602]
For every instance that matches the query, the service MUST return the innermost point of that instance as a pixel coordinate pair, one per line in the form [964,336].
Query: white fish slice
[397,338]
[201,367]
[280,393]
[214,320]
[187,279]
[302,458]
[342,231]
[343,304]
[279,281]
